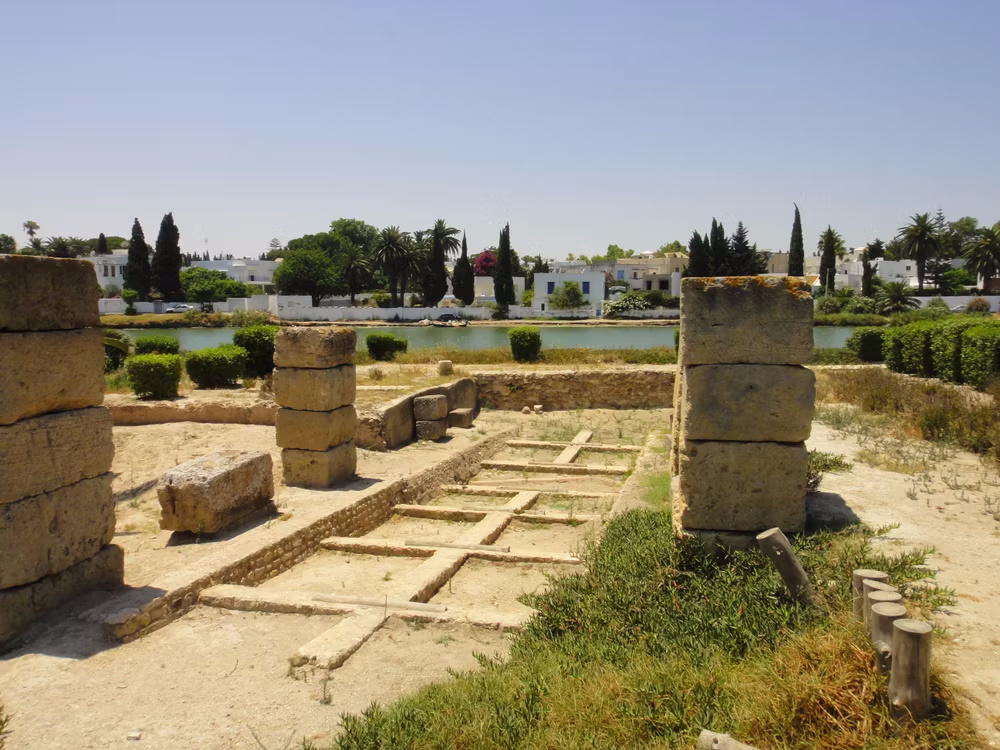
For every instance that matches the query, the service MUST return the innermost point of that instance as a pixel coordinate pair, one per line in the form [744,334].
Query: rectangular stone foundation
[431,429]
[314,347]
[741,486]
[47,294]
[461,417]
[319,469]
[314,389]
[315,430]
[20,605]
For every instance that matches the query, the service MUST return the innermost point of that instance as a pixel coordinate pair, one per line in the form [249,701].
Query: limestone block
[315,430]
[22,604]
[431,429]
[319,468]
[726,486]
[315,347]
[212,492]
[748,402]
[461,417]
[753,319]
[48,533]
[41,454]
[462,394]
[47,294]
[445,367]
[430,408]
[50,371]
[314,389]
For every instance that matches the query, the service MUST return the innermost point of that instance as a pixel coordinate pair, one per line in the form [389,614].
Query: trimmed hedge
[980,354]
[218,367]
[154,375]
[384,346]
[157,345]
[915,348]
[946,347]
[892,352]
[866,343]
[525,343]
[259,344]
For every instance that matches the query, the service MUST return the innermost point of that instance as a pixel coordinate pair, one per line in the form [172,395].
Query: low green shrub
[116,349]
[525,343]
[860,306]
[157,345]
[247,318]
[866,343]
[892,351]
[978,305]
[915,348]
[384,346]
[849,319]
[834,357]
[980,354]
[129,297]
[201,319]
[830,305]
[217,368]
[259,344]
[154,375]
[821,463]
[946,347]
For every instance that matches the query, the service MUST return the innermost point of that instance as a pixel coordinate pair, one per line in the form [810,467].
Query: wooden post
[910,678]
[883,615]
[715,741]
[867,587]
[857,578]
[778,550]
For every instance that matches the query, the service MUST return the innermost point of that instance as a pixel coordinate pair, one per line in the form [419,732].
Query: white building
[247,270]
[483,289]
[591,284]
[110,269]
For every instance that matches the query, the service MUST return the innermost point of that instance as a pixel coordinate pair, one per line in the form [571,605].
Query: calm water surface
[488,337]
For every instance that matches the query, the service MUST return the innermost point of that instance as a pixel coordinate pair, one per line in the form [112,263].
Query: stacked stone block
[431,416]
[743,406]
[314,384]
[57,514]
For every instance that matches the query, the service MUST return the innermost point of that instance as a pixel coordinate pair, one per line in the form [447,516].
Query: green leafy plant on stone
[821,463]
[220,367]
[154,375]
[157,345]
[258,340]
[525,343]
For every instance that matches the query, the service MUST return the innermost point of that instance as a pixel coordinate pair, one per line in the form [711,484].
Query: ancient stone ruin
[431,415]
[57,513]
[314,384]
[744,407]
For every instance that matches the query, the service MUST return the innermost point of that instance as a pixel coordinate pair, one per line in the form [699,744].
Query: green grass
[849,319]
[146,320]
[655,642]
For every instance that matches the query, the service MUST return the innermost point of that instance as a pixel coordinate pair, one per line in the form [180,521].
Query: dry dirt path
[941,508]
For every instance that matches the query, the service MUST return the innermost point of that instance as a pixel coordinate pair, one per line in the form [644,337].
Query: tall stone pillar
[57,514]
[743,407]
[314,384]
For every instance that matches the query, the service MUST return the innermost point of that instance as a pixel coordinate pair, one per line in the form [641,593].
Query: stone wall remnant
[314,385]
[744,407]
[57,514]
[216,491]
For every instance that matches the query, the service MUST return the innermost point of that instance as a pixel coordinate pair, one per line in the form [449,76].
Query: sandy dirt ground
[481,585]
[545,538]
[944,510]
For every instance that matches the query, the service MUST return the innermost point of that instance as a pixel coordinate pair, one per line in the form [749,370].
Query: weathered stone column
[744,407]
[57,514]
[315,384]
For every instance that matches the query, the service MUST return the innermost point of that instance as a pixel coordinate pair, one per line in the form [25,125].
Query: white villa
[591,284]
[109,269]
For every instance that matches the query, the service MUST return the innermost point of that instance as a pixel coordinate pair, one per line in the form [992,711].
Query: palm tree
[983,254]
[415,259]
[31,229]
[355,263]
[447,236]
[390,251]
[895,296]
[920,240]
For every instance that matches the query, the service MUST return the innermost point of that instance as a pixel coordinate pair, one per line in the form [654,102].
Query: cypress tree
[462,280]
[166,265]
[503,279]
[743,257]
[699,257]
[719,249]
[137,268]
[796,248]
[866,275]
[828,259]
[435,281]
[102,245]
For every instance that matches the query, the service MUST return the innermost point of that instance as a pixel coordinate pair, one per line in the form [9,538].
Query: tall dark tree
[503,279]
[744,260]
[699,256]
[867,275]
[796,247]
[443,241]
[136,271]
[875,249]
[102,245]
[719,248]
[166,263]
[390,253]
[463,283]
[919,241]
[829,242]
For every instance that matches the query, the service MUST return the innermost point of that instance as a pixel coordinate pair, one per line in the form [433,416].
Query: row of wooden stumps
[902,645]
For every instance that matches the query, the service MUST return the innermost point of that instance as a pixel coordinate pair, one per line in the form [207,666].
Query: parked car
[178,308]
[447,317]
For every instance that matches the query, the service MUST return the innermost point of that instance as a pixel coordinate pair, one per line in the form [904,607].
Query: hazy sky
[581,124]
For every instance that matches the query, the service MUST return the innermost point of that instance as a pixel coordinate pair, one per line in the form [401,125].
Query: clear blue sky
[581,124]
